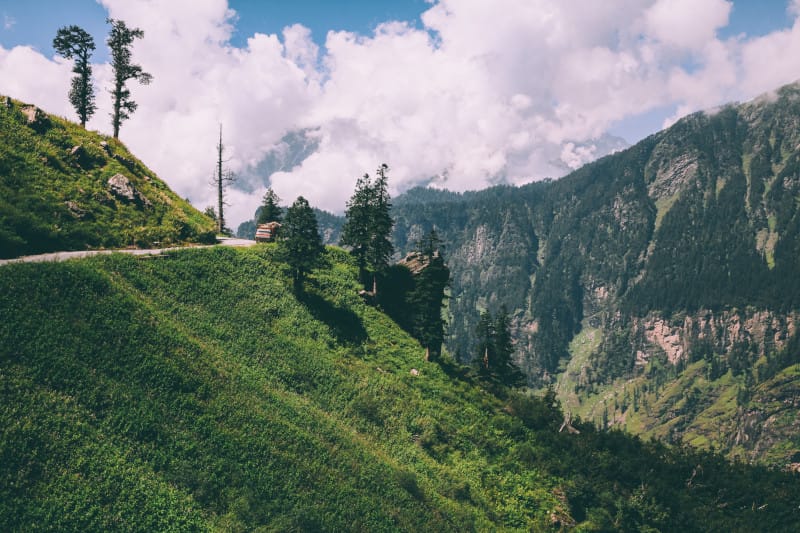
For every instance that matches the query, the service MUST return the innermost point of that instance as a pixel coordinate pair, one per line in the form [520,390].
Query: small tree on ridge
[72,42]
[119,41]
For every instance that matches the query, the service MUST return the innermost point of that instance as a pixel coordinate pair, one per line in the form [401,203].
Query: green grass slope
[55,195]
[196,392]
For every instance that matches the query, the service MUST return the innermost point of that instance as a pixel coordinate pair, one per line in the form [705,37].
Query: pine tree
[300,244]
[369,224]
[356,230]
[495,348]
[119,41]
[270,209]
[484,332]
[380,248]
[503,346]
[428,295]
[72,42]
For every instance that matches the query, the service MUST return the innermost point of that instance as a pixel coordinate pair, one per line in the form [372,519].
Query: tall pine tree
[369,224]
[72,42]
[119,41]
[495,349]
[300,244]
[380,248]
[270,210]
[356,230]
[427,297]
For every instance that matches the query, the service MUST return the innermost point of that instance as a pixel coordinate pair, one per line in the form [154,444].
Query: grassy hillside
[195,391]
[55,192]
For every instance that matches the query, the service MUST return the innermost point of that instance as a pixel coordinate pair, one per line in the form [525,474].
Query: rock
[414,372]
[84,158]
[104,145]
[123,189]
[75,210]
[124,161]
[35,117]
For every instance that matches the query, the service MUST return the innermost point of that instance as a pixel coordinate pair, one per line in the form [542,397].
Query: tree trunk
[220,217]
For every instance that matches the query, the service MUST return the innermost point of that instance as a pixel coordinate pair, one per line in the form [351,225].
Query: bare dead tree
[222,178]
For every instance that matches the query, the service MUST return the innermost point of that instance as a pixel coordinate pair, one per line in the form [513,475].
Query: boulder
[122,188]
[35,117]
[84,158]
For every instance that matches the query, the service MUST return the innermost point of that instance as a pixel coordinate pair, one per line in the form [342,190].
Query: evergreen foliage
[427,297]
[73,42]
[356,229]
[270,210]
[120,40]
[379,247]
[300,242]
[368,225]
[495,348]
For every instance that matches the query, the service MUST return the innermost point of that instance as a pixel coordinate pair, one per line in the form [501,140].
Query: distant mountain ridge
[666,268]
[65,188]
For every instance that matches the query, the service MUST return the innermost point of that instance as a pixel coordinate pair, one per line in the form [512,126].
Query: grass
[196,391]
[52,200]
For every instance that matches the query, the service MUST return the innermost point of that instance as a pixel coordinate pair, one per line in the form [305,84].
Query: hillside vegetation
[196,391]
[65,188]
[656,288]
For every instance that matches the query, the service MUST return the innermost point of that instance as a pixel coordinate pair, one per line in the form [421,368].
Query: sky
[458,94]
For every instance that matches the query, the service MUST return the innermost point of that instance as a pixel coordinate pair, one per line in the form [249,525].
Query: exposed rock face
[35,117]
[122,188]
[766,331]
[416,262]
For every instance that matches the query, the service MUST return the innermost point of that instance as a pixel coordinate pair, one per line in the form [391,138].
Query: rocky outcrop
[35,117]
[122,188]
[676,337]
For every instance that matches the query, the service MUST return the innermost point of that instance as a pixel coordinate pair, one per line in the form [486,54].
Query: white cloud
[686,24]
[485,92]
[8,21]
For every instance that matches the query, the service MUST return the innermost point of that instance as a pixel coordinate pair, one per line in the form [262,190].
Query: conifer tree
[119,41]
[368,224]
[300,244]
[495,348]
[270,209]
[484,332]
[428,295]
[356,230]
[380,248]
[72,42]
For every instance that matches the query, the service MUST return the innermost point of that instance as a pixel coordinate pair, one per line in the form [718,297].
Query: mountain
[197,391]
[655,288]
[65,188]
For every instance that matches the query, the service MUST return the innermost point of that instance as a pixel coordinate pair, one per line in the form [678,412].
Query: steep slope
[195,391]
[65,188]
[682,250]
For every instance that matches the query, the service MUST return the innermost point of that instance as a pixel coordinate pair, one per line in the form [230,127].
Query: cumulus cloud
[482,93]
